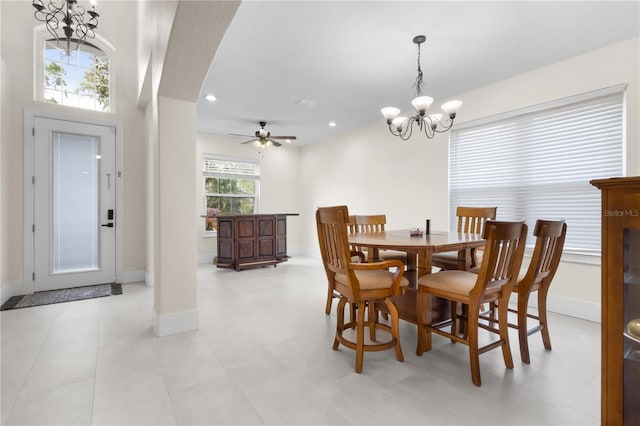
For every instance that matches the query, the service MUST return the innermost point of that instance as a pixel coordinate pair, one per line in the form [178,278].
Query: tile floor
[263,356]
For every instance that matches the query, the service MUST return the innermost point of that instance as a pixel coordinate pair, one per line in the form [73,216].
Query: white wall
[280,186]
[17,24]
[3,179]
[373,172]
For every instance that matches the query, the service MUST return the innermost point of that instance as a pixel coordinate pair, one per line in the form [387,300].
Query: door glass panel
[631,326]
[75,192]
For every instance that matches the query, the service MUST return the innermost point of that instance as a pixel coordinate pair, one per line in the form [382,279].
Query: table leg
[412,261]
[424,262]
[465,261]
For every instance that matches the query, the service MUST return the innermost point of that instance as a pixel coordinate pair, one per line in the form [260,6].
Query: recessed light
[305,103]
[332,124]
[210,97]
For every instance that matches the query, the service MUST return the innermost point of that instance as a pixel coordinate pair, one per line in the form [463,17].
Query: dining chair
[550,236]
[360,284]
[376,223]
[356,256]
[471,220]
[504,249]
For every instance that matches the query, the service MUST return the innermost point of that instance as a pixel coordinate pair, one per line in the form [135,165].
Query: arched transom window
[81,79]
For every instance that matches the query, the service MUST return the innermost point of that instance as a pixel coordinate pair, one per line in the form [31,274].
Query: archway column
[175,292]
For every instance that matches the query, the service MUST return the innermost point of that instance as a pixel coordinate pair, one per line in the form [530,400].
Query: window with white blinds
[537,163]
[230,186]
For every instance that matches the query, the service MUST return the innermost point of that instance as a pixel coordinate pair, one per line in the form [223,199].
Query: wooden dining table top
[402,240]
[419,250]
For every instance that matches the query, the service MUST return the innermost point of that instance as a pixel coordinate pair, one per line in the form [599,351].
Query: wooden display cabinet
[620,300]
[252,241]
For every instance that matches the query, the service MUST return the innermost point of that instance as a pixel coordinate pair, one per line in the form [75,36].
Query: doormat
[61,296]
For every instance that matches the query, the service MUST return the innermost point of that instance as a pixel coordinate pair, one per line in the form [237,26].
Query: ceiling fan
[263,137]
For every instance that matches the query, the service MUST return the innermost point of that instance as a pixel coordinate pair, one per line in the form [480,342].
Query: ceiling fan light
[389,113]
[422,103]
[451,107]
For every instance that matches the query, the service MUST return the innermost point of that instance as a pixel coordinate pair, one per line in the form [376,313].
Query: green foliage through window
[229,186]
[81,79]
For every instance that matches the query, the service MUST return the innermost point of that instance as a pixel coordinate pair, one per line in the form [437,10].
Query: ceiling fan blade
[236,134]
[293,138]
[249,141]
[274,143]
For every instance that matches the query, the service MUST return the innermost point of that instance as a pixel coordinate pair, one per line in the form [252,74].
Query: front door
[74,204]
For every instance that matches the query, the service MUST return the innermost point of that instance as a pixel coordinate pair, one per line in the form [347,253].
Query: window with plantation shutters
[537,163]
[231,186]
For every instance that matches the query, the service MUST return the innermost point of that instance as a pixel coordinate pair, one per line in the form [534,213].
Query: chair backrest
[370,223]
[502,258]
[471,220]
[351,225]
[546,255]
[332,225]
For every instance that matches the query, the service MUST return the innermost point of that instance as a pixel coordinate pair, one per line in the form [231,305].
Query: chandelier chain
[419,83]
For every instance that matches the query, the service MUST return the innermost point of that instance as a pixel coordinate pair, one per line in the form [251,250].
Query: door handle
[108,225]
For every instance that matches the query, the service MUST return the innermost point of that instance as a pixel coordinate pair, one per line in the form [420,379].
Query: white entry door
[74,204]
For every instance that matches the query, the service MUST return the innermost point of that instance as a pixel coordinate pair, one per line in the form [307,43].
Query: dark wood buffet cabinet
[252,241]
[620,300]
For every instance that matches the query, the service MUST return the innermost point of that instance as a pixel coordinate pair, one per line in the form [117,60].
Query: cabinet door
[245,239]
[225,240]
[621,307]
[266,237]
[281,236]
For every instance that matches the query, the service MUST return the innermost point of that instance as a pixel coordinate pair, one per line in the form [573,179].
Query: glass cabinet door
[631,332]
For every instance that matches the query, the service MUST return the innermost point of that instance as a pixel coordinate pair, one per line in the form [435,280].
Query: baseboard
[148,278]
[9,290]
[205,258]
[133,276]
[177,322]
[565,306]
[305,251]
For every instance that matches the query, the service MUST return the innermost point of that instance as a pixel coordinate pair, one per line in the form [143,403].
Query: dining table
[419,249]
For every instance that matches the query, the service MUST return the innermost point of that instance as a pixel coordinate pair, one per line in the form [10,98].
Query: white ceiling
[351,58]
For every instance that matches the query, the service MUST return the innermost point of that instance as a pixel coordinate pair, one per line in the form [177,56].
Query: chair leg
[327,309]
[395,331]
[340,322]
[523,338]
[373,319]
[423,306]
[360,337]
[542,315]
[454,319]
[474,353]
[503,326]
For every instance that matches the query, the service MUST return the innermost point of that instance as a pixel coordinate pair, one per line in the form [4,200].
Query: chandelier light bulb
[398,122]
[434,119]
[451,107]
[422,103]
[389,113]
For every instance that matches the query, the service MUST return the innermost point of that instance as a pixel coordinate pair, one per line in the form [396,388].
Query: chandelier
[429,124]
[71,17]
